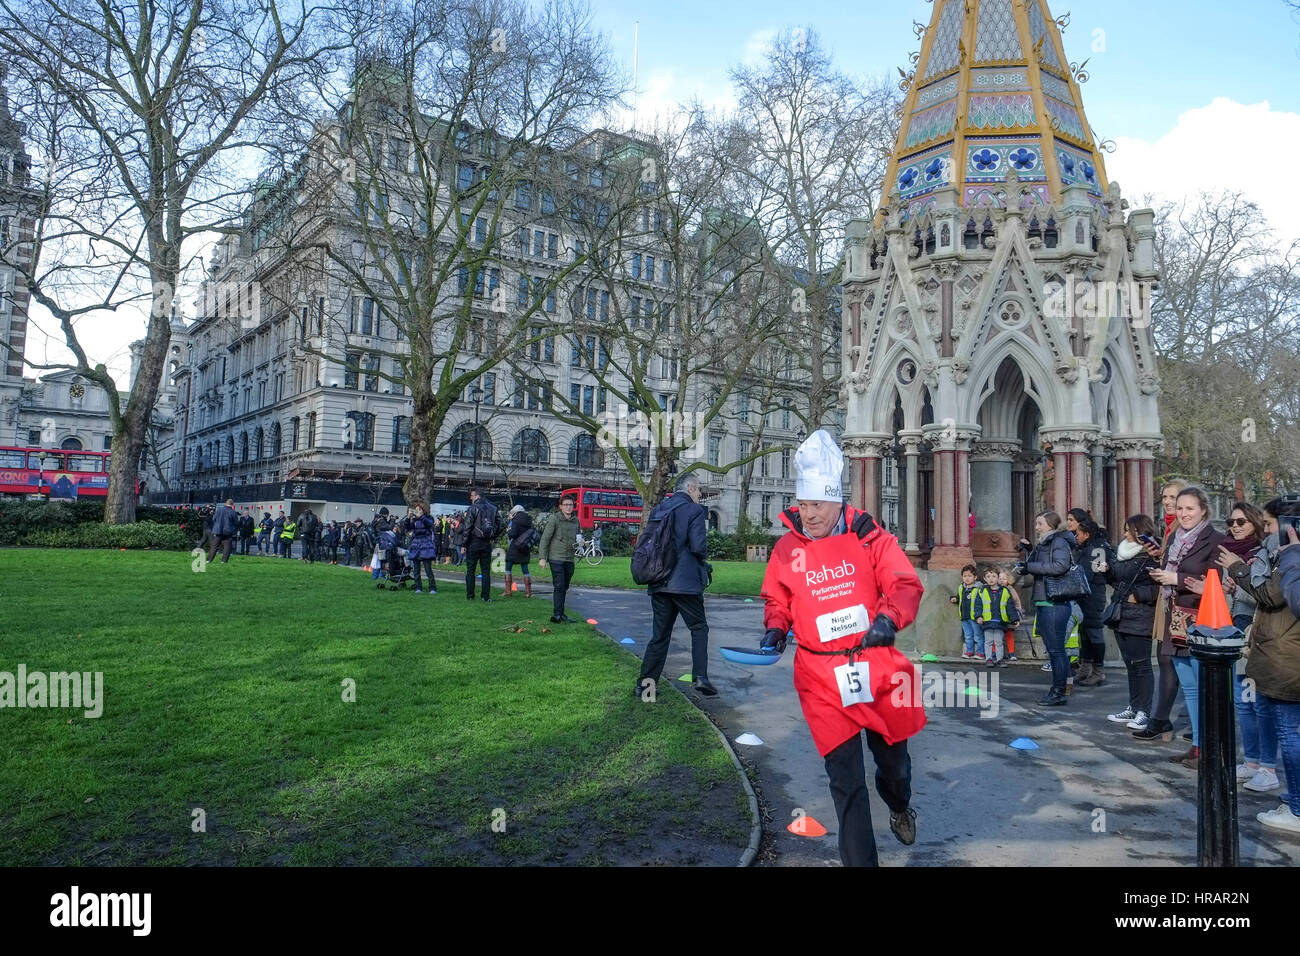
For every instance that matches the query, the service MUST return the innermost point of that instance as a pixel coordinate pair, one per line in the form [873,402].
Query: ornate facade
[996,333]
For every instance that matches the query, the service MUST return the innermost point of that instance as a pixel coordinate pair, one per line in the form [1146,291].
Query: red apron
[835,594]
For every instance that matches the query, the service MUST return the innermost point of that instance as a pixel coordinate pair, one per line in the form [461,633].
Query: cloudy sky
[1196,94]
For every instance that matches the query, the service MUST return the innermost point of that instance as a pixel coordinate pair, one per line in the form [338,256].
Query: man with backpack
[481,528]
[556,549]
[670,558]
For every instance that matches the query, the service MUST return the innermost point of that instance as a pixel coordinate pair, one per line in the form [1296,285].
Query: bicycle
[588,551]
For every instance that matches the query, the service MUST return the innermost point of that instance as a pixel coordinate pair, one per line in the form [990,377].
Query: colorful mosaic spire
[992,93]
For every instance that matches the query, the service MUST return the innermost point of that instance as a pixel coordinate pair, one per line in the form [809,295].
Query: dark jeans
[263,541]
[286,547]
[665,608]
[1054,628]
[222,543]
[244,544]
[428,570]
[334,553]
[1135,649]
[478,557]
[561,575]
[309,548]
[847,771]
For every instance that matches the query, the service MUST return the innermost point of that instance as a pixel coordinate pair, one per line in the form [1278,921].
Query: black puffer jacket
[1050,557]
[1137,619]
[1088,555]
[517,532]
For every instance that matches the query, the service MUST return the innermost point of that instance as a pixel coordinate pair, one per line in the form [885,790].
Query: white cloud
[756,46]
[662,94]
[1224,145]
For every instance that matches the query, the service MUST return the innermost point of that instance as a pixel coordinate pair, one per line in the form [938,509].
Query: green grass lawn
[729,577]
[223,691]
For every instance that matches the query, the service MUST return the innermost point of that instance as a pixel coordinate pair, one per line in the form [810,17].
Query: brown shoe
[1096,677]
[528,586]
[1189,759]
[510,585]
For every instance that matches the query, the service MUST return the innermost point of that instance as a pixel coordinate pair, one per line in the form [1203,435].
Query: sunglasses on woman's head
[1236,522]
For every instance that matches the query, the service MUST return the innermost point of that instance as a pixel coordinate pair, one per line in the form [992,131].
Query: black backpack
[655,555]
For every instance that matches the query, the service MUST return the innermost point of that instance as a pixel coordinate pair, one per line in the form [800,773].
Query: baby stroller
[395,569]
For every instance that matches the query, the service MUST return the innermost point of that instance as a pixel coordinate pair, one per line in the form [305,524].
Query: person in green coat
[556,550]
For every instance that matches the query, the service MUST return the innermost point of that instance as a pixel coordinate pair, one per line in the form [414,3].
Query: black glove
[774,639]
[862,524]
[1023,544]
[1018,569]
[881,633]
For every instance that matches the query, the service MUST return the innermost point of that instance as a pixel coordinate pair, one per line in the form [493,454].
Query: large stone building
[996,336]
[296,399]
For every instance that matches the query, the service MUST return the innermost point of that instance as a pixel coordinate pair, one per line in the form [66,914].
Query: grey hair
[687,481]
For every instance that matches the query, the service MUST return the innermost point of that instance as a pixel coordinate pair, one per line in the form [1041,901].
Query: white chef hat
[818,466]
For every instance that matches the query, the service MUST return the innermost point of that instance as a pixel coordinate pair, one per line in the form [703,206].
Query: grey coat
[1050,557]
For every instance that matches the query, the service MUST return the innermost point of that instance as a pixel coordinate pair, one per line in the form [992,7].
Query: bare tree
[418,192]
[808,148]
[678,295]
[146,115]
[1226,323]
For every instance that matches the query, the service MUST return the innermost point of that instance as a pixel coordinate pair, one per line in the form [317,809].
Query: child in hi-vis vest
[995,612]
[972,637]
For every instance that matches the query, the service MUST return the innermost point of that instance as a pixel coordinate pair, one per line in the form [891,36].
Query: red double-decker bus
[53,472]
[605,506]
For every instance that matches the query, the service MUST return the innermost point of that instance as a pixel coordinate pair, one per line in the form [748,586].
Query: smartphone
[1148,540]
[1284,522]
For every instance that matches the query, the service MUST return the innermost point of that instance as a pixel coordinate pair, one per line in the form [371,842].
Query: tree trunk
[424,431]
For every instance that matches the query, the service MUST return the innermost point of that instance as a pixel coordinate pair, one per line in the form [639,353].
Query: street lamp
[475,396]
[40,480]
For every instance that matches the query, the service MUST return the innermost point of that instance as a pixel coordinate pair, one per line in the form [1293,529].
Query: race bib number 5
[842,623]
[854,681]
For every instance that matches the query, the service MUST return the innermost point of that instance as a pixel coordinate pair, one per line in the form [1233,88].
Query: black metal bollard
[1217,649]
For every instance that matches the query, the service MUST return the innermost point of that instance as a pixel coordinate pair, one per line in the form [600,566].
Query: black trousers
[428,570]
[1093,644]
[847,771]
[561,576]
[665,608]
[474,558]
[244,544]
[222,543]
[1135,649]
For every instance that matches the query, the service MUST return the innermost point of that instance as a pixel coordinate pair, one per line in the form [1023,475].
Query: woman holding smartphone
[1189,551]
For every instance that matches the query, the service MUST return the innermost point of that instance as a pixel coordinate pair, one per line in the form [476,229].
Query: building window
[401,434]
[257,444]
[243,446]
[602,399]
[715,450]
[279,386]
[785,463]
[524,195]
[552,246]
[310,440]
[585,453]
[276,447]
[588,399]
[351,369]
[548,203]
[636,265]
[575,394]
[530,447]
[372,373]
[767,509]
[489,388]
[363,431]
[470,441]
[293,433]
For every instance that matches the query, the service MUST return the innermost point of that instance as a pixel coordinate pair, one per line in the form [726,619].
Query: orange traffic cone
[1212,615]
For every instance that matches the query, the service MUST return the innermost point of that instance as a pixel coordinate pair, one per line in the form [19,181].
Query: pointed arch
[1038,379]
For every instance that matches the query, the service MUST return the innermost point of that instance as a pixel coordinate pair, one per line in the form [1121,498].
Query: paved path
[1091,795]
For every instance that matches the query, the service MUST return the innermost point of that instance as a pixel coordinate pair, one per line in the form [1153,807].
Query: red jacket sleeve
[900,585]
[776,596]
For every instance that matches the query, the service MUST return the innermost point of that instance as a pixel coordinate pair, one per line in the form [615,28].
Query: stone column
[1135,457]
[1098,504]
[911,442]
[991,499]
[863,453]
[1070,465]
[951,491]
